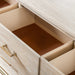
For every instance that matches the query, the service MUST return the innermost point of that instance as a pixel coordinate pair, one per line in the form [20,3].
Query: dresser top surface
[59,13]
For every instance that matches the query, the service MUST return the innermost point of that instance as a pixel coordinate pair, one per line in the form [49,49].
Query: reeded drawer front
[6,69]
[11,58]
[37,38]
[6,5]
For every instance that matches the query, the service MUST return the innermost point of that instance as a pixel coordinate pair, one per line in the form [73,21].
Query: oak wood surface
[37,38]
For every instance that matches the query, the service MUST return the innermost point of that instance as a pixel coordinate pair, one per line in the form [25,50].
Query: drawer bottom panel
[37,38]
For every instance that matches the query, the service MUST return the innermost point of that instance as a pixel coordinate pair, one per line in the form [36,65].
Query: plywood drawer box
[6,5]
[57,62]
[38,33]
[39,37]
[66,64]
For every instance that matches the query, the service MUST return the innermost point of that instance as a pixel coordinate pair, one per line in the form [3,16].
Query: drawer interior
[59,51]
[64,55]
[4,3]
[37,38]
[68,62]
[39,35]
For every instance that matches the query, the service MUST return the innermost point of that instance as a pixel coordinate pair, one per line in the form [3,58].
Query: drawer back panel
[16,19]
[55,32]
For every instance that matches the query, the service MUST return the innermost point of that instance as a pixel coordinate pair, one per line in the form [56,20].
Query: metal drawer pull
[7,51]
[14,55]
[2,71]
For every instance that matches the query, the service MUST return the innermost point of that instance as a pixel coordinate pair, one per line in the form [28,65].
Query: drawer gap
[37,38]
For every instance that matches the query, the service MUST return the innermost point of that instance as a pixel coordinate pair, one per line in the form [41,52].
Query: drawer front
[25,55]
[5,69]
[12,60]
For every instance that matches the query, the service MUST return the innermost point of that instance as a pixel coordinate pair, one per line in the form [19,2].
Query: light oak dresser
[37,37]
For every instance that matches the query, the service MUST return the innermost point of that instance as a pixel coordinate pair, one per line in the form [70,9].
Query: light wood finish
[6,69]
[28,58]
[6,50]
[59,51]
[17,18]
[46,65]
[47,69]
[60,14]
[37,38]
[8,5]
[55,32]
[65,63]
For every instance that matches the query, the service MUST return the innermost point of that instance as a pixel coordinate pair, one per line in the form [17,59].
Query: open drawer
[65,63]
[59,62]
[37,37]
[6,5]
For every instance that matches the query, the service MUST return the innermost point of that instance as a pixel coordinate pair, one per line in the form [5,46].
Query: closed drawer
[35,37]
[59,62]
[11,59]
[5,69]
[6,5]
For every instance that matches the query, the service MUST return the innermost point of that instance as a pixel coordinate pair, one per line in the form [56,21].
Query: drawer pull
[2,71]
[7,51]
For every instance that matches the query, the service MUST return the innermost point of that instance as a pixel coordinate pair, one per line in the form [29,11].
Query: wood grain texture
[3,3]
[37,38]
[60,14]
[7,68]
[28,57]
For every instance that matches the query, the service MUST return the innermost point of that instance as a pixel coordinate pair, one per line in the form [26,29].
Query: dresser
[37,37]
